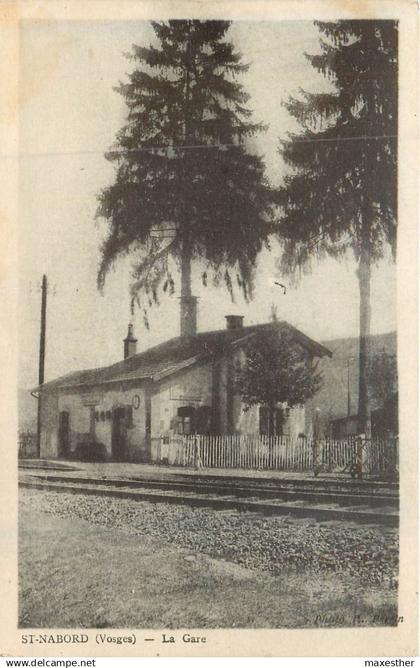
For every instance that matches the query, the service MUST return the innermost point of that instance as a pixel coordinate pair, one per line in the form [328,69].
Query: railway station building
[182,386]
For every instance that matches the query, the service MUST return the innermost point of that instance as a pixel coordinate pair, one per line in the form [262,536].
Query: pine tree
[183,172]
[341,192]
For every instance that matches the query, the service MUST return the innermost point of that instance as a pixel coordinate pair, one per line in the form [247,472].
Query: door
[119,435]
[64,434]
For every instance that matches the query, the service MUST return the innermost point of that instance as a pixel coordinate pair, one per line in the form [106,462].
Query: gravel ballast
[367,553]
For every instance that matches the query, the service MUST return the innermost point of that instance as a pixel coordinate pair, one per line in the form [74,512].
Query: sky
[70,114]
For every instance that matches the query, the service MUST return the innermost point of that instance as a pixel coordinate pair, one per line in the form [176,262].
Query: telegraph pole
[348,388]
[41,367]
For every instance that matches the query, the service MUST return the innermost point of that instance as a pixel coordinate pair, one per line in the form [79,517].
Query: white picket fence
[247,452]
[280,453]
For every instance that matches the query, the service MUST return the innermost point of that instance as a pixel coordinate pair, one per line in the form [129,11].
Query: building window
[186,424]
[272,420]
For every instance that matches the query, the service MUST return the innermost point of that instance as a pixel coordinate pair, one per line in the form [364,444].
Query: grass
[75,574]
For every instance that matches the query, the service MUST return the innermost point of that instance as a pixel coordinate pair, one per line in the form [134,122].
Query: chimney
[188,315]
[234,321]
[130,343]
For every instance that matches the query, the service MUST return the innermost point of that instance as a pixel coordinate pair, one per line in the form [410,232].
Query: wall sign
[179,393]
[91,399]
[135,402]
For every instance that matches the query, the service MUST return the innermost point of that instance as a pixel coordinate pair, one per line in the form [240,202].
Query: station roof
[176,354]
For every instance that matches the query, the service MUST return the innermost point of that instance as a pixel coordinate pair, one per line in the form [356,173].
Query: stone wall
[192,387]
[74,401]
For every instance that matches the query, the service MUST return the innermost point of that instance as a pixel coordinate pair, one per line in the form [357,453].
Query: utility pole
[41,356]
[348,388]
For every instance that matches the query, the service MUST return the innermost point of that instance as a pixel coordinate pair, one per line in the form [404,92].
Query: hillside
[332,398]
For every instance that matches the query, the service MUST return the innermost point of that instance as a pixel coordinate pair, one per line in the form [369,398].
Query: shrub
[91,452]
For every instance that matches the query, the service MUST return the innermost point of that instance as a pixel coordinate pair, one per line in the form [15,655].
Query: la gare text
[185,638]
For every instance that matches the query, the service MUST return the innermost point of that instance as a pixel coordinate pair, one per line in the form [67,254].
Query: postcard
[209,268]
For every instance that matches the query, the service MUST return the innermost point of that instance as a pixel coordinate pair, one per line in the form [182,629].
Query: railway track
[366,502]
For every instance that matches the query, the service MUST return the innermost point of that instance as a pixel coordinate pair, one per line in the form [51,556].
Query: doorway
[119,435]
[64,434]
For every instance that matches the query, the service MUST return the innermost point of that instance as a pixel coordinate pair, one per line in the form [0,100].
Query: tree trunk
[363,274]
[271,414]
[188,303]
[185,272]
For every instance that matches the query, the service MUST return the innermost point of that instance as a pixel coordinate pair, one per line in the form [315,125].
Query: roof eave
[121,379]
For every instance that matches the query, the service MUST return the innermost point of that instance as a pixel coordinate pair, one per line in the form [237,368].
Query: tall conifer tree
[183,171]
[341,193]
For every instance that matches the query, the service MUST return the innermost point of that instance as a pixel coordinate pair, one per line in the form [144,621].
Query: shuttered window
[186,416]
[277,421]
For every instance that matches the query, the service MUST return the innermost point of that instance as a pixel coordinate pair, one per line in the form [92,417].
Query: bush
[91,452]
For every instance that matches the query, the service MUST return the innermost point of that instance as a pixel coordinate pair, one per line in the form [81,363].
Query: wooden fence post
[316,431]
[360,439]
